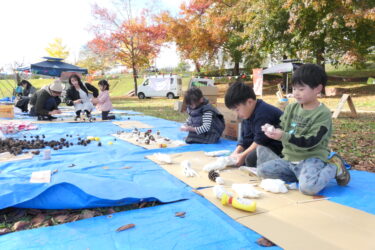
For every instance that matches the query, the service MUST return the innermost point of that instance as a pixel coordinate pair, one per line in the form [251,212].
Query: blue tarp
[99,179]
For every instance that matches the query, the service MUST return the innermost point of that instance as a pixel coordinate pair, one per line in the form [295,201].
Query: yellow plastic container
[243,204]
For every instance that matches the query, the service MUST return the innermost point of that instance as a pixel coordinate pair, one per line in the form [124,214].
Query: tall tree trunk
[197,66]
[320,58]
[236,69]
[135,80]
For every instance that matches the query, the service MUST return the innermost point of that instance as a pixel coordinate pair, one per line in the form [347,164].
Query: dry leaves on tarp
[180,214]
[264,242]
[125,227]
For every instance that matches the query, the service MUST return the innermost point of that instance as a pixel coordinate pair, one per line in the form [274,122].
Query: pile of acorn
[16,146]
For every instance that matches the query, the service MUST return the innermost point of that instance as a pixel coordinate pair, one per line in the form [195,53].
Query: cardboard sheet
[6,157]
[315,225]
[132,124]
[152,145]
[197,160]
[292,220]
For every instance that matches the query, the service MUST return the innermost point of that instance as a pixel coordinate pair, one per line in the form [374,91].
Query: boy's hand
[276,134]
[240,159]
[77,101]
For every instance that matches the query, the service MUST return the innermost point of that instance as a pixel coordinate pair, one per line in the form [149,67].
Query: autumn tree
[339,30]
[57,49]
[133,41]
[197,38]
[94,61]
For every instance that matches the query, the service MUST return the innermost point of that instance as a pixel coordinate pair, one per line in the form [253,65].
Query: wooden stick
[306,201]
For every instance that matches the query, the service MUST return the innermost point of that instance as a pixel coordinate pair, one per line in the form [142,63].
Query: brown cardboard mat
[131,124]
[197,160]
[6,157]
[151,145]
[291,220]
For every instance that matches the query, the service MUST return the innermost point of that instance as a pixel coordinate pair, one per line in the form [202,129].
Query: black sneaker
[342,174]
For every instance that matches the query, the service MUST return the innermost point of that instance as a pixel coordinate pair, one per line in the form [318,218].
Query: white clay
[220,163]
[163,158]
[274,185]
[187,169]
[217,153]
[246,190]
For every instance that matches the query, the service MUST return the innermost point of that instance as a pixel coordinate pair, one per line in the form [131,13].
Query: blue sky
[28,26]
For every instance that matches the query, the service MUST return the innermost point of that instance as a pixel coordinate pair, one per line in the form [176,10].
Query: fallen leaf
[4,231]
[125,167]
[105,167]
[87,214]
[33,211]
[125,227]
[75,217]
[19,225]
[264,242]
[180,214]
[111,211]
[38,220]
[61,218]
[318,197]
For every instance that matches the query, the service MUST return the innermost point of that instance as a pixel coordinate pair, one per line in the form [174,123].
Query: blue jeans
[313,174]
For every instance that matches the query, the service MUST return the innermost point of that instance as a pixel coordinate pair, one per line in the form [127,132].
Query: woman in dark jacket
[28,91]
[78,95]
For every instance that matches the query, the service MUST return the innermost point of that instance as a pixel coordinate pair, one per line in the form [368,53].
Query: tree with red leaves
[133,41]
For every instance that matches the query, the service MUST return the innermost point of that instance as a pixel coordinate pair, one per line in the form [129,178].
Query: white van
[168,86]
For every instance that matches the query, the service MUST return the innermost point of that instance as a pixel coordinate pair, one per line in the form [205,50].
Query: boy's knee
[308,189]
[261,171]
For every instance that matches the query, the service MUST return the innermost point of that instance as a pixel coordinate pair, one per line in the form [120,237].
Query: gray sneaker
[343,178]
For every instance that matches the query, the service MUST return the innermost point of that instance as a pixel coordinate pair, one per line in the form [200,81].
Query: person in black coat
[28,91]
[78,95]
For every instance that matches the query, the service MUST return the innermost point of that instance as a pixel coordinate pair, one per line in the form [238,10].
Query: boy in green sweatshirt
[306,129]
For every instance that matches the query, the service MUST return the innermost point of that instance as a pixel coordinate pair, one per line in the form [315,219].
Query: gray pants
[312,174]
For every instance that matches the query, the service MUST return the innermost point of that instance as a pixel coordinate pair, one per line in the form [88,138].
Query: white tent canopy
[279,68]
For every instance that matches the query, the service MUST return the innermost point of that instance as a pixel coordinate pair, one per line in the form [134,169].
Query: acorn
[212,175]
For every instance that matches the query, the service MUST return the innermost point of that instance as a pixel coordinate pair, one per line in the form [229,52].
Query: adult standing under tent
[45,101]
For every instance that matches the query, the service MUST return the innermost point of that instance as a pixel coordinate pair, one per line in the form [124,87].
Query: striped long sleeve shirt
[206,123]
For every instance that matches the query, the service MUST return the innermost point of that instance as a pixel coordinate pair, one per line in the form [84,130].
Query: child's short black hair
[192,96]
[104,83]
[238,93]
[311,75]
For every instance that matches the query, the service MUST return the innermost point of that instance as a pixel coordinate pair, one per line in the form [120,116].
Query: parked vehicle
[167,86]
[200,82]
